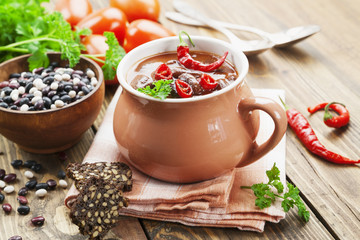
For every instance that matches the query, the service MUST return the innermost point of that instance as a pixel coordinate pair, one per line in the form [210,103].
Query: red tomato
[96,44]
[141,31]
[138,9]
[107,19]
[73,10]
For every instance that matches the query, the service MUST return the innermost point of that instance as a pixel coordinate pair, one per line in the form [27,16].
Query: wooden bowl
[52,130]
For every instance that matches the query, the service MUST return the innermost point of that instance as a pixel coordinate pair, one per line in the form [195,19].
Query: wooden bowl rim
[92,62]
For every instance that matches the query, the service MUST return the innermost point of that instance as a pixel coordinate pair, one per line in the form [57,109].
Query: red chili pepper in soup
[307,136]
[183,89]
[185,58]
[207,82]
[333,121]
[163,72]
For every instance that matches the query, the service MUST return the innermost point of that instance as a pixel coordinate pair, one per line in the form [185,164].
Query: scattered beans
[23,210]
[10,177]
[9,189]
[2,198]
[29,163]
[17,237]
[61,174]
[41,186]
[7,207]
[2,174]
[63,183]
[22,200]
[62,156]
[29,174]
[23,191]
[38,221]
[2,184]
[51,184]
[48,87]
[41,193]
[36,167]
[31,184]
[17,163]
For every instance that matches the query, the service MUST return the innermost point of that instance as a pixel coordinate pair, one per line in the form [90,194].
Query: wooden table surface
[325,67]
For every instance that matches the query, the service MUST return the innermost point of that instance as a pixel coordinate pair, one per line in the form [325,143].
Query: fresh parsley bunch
[26,27]
[265,195]
[37,32]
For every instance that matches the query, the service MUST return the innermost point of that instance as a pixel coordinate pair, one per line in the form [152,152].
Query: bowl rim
[97,87]
[234,50]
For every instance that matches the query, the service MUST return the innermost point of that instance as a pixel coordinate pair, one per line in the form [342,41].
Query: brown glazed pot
[53,130]
[193,139]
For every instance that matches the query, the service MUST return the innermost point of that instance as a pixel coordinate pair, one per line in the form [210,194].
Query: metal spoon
[249,48]
[280,39]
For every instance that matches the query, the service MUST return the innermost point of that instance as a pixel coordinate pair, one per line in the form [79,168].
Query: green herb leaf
[39,58]
[263,202]
[273,174]
[287,204]
[260,189]
[293,192]
[113,56]
[161,89]
[265,196]
[302,212]
[278,185]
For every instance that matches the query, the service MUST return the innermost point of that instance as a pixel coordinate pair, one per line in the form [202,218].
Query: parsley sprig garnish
[265,195]
[160,89]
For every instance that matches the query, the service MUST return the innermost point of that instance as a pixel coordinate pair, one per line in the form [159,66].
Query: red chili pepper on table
[307,136]
[185,58]
[207,82]
[330,120]
[183,89]
[163,72]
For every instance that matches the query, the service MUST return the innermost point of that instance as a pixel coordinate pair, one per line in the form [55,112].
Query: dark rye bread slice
[115,172]
[95,210]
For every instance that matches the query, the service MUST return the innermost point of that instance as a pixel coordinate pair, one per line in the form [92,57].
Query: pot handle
[276,112]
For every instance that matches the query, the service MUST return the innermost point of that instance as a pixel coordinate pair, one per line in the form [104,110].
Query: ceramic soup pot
[186,140]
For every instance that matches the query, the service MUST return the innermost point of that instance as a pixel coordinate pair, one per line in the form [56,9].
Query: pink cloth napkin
[218,202]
